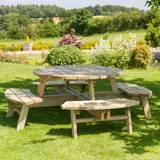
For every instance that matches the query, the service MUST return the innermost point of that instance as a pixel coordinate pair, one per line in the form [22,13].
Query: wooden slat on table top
[78,72]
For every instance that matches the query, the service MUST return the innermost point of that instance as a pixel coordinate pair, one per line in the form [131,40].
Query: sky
[68,4]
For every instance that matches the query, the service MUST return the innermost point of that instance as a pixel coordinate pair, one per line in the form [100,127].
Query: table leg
[113,84]
[41,87]
[91,90]
[67,84]
[98,114]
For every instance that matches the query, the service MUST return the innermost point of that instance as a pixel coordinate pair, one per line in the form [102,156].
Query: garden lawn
[139,33]
[47,134]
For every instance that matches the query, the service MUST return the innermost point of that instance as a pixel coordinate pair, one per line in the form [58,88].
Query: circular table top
[77,72]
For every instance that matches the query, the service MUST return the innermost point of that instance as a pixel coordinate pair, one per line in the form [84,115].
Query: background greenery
[16,22]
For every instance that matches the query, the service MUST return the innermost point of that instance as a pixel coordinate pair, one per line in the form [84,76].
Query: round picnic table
[77,72]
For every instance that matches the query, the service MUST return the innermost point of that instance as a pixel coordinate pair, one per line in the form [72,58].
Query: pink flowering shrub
[70,39]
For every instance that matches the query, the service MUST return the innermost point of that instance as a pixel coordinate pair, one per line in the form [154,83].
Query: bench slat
[134,90]
[11,96]
[32,96]
[100,104]
[22,96]
[62,83]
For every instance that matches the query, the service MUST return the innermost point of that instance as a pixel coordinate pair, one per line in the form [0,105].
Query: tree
[15,25]
[34,31]
[153,3]
[49,29]
[153,32]
[81,19]
[98,10]
[13,19]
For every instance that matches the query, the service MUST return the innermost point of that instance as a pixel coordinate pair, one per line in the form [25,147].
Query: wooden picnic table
[73,72]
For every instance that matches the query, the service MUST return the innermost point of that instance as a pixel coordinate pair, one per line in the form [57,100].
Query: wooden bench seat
[137,92]
[20,100]
[81,84]
[100,105]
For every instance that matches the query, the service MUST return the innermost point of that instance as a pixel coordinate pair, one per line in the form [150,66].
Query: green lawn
[140,36]
[33,56]
[47,134]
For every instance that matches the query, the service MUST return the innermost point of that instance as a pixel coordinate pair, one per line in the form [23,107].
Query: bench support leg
[128,120]
[22,117]
[10,109]
[145,104]
[74,124]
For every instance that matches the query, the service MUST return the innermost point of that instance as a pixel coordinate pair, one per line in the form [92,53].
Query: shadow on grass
[43,115]
[43,140]
[145,133]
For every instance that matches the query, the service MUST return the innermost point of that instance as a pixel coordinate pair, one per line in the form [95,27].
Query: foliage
[21,59]
[141,42]
[153,3]
[13,58]
[153,33]
[114,59]
[33,62]
[119,22]
[81,19]
[3,34]
[12,47]
[49,29]
[34,31]
[123,53]
[15,25]
[66,55]
[70,39]
[18,24]
[116,53]
[50,11]
[90,44]
[105,36]
[118,44]
[39,45]
[141,57]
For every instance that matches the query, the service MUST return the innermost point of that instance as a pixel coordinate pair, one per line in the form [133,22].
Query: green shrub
[38,45]
[89,44]
[66,55]
[141,56]
[114,59]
